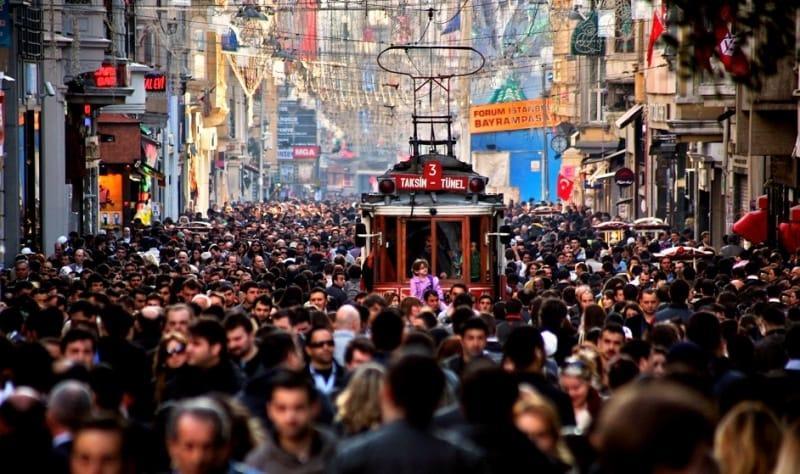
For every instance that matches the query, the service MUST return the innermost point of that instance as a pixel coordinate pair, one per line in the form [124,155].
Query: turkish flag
[730,54]
[659,15]
[564,187]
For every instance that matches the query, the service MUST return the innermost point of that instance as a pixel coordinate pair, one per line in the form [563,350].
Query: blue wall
[523,147]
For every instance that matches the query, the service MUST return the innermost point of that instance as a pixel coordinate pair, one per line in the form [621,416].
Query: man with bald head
[346,327]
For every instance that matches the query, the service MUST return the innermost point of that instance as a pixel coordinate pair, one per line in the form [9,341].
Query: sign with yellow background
[506,116]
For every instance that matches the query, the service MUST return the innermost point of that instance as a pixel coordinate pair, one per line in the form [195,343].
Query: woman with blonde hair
[789,455]
[747,440]
[170,356]
[359,407]
[537,418]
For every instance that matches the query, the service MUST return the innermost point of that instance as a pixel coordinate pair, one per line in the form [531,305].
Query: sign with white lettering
[415,182]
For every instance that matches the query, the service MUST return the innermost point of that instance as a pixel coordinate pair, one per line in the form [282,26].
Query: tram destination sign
[431,179]
[418,182]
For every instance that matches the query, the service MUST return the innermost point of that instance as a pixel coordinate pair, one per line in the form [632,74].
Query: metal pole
[544,168]
[261,150]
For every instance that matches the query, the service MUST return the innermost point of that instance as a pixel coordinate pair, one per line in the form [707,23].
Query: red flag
[657,30]
[565,186]
[730,54]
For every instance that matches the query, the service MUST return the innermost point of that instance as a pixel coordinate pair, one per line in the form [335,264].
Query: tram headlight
[386,186]
[477,185]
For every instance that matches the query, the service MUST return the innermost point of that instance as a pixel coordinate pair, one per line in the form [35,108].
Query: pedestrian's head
[359,406]
[387,331]
[674,430]
[488,394]
[611,339]
[319,346]
[177,318]
[99,446]
[291,405]
[524,350]
[68,404]
[240,332]
[207,343]
[748,439]
[79,346]
[420,267]
[413,389]
[198,436]
[474,333]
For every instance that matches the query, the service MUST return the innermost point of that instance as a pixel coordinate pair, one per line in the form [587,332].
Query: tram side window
[449,262]
[418,243]
[476,249]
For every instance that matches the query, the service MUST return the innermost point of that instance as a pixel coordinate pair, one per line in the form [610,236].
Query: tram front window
[448,259]
[418,240]
[449,255]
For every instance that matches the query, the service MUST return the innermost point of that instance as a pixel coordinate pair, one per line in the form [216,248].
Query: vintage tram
[432,206]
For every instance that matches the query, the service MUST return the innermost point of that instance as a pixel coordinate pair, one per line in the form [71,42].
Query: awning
[597,147]
[610,156]
[629,116]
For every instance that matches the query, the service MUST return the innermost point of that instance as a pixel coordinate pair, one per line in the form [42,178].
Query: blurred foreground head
[655,427]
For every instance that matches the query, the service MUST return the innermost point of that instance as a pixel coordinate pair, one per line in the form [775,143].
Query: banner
[506,116]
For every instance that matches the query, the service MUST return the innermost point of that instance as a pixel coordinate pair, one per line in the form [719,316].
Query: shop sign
[624,177]
[155,82]
[305,152]
[517,115]
[105,76]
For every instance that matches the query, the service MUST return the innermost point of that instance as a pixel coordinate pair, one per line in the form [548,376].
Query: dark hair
[387,330]
[275,347]
[552,312]
[211,330]
[474,322]
[513,306]
[637,349]
[622,371]
[116,321]
[521,346]
[488,394]
[109,424]
[373,299]
[78,334]
[460,316]
[416,383]
[45,323]
[238,320]
[774,316]
[679,292]
[247,285]
[360,344]
[291,380]
[614,328]
[704,330]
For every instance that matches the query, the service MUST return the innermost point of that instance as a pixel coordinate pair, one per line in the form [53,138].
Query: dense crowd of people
[249,342]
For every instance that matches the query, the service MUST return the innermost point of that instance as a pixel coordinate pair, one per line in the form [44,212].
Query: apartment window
[597,88]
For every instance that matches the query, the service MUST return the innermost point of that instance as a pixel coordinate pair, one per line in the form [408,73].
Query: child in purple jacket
[422,281]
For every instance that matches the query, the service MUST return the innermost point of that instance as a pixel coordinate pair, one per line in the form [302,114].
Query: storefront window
[476,249]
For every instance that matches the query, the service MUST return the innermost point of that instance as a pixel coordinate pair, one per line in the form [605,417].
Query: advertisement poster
[110,200]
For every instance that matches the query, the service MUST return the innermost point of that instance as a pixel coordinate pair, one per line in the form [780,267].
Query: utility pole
[261,151]
[544,168]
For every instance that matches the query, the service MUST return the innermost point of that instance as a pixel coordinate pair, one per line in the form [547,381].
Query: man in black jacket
[208,368]
[411,392]
[524,356]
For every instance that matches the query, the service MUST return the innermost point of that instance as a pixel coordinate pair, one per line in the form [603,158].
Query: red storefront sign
[155,82]
[105,76]
[305,152]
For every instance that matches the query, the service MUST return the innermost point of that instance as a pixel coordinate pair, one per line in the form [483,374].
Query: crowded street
[253,344]
[399,237]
